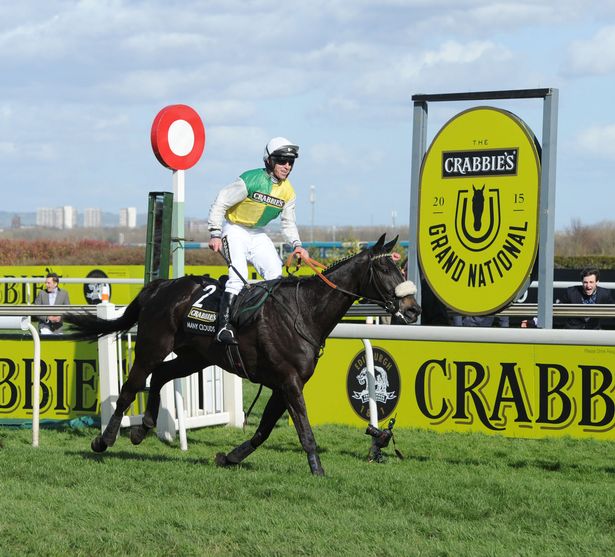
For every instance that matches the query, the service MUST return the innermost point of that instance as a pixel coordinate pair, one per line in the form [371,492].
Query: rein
[316,266]
[312,264]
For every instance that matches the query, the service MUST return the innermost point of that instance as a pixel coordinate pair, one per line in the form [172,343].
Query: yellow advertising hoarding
[69,380]
[521,390]
[81,294]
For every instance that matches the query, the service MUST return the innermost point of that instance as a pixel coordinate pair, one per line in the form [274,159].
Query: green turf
[454,494]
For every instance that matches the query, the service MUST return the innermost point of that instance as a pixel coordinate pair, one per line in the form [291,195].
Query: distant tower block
[128,217]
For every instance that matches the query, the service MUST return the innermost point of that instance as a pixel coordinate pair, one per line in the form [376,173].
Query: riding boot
[226,331]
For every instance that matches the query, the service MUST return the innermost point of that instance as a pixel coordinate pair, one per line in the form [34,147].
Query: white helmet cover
[280,146]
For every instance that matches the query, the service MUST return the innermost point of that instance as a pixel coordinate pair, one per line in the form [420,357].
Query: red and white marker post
[178,141]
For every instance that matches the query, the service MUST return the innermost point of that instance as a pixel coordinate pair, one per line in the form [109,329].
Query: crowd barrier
[185,404]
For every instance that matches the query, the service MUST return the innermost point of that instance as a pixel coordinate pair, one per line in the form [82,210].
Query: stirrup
[226,335]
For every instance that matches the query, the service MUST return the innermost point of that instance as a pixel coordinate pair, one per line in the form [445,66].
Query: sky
[82,82]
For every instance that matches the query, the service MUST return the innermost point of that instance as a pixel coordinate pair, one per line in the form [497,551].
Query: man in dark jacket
[588,292]
[52,295]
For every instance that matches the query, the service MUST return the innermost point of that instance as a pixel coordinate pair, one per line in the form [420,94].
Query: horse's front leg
[182,366]
[298,412]
[274,409]
[134,384]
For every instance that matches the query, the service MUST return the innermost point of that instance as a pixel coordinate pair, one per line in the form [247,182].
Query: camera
[382,437]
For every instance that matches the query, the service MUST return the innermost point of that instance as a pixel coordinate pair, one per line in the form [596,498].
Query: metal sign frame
[158,242]
[546,240]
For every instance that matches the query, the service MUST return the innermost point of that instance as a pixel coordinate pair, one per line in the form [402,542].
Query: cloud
[26,153]
[595,56]
[433,68]
[598,140]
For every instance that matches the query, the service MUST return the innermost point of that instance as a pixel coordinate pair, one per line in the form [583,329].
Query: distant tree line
[576,247]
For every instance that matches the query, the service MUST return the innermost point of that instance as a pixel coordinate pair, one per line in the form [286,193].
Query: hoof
[138,434]
[108,440]
[222,461]
[98,445]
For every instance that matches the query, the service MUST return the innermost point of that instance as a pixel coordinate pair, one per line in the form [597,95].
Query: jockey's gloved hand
[215,244]
[301,253]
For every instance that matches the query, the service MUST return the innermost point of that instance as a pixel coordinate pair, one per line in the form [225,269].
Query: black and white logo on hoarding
[93,292]
[387,384]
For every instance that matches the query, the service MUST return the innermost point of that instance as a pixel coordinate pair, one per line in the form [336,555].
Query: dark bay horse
[279,349]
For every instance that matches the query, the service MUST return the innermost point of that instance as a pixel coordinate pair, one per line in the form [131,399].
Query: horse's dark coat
[280,348]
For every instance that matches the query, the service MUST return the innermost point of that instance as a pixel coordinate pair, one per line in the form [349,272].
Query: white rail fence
[214,397]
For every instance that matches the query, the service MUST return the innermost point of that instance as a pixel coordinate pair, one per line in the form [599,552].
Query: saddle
[250,301]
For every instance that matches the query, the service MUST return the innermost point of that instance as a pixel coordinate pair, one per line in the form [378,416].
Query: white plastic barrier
[24,323]
[475,334]
[212,397]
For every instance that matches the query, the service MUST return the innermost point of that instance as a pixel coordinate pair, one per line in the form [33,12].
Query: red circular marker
[178,137]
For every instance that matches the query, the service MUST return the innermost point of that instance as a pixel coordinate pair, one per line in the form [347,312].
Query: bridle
[370,277]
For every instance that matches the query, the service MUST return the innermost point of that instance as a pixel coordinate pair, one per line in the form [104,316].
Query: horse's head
[478,205]
[385,283]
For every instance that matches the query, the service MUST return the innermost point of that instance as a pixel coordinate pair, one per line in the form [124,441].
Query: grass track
[454,494]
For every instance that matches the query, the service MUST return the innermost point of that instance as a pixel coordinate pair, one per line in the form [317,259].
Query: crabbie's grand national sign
[478,210]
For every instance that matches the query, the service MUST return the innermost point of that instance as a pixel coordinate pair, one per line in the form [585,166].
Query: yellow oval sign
[478,210]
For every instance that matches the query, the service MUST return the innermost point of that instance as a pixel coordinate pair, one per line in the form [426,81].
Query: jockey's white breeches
[253,246]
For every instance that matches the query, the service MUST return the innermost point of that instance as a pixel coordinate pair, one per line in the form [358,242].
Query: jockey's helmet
[280,147]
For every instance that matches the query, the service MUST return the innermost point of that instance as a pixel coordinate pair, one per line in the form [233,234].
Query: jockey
[238,216]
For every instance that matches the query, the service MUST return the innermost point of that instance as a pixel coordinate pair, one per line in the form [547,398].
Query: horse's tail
[90,327]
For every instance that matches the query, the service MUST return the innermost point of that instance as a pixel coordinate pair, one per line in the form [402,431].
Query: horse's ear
[378,245]
[390,245]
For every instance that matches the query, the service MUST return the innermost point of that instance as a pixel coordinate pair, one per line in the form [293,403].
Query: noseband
[372,278]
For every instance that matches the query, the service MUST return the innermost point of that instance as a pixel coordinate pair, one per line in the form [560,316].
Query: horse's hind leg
[273,411]
[134,384]
[182,366]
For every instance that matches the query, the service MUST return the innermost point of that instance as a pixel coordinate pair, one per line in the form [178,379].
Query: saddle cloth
[202,315]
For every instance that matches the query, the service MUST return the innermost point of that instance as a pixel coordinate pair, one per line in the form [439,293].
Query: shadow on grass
[128,455]
[159,459]
[546,465]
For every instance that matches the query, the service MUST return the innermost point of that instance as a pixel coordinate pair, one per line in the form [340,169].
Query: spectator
[486,321]
[588,292]
[51,295]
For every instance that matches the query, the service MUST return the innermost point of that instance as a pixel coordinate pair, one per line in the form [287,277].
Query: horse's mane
[332,267]
[340,262]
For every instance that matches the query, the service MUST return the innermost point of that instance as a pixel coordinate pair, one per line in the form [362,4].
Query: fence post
[233,398]
[371,382]
[109,385]
[24,323]
[165,424]
[36,380]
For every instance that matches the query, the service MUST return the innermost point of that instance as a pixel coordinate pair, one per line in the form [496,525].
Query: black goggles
[283,160]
